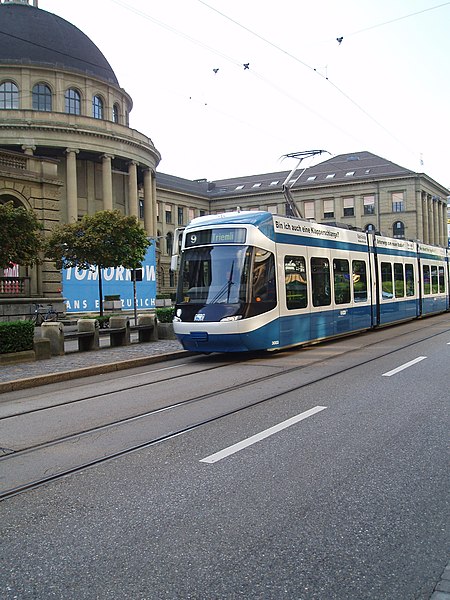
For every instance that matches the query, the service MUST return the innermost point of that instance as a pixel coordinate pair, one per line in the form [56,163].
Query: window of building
[308,209]
[256,185]
[311,178]
[328,209]
[42,97]
[158,216]
[115,113]
[399,229]
[320,280]
[180,215]
[202,213]
[240,187]
[370,228]
[274,182]
[331,175]
[141,208]
[350,173]
[97,107]
[169,243]
[73,102]
[369,205]
[398,202]
[168,213]
[349,207]
[295,282]
[9,95]
[341,270]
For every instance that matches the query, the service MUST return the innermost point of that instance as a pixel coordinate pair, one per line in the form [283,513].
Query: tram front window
[222,282]
[214,275]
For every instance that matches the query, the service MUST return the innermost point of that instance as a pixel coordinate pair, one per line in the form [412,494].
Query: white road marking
[262,435]
[405,366]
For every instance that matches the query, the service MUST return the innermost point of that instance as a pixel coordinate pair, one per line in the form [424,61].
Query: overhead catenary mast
[292,209]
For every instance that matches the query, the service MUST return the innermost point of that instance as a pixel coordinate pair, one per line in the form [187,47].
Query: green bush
[165,314]
[16,336]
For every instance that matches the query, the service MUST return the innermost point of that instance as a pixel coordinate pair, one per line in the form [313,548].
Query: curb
[39,380]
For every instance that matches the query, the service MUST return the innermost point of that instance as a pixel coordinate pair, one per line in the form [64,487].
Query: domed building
[66,147]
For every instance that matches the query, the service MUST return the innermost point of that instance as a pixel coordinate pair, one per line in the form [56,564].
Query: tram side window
[320,280]
[441,280]
[434,280]
[295,282]
[426,279]
[386,281]
[399,280]
[264,276]
[359,278]
[409,276]
[341,281]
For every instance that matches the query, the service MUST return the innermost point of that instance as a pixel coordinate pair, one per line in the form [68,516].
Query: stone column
[425,236]
[107,182]
[419,216]
[431,221]
[436,221]
[149,221]
[71,185]
[444,236]
[133,201]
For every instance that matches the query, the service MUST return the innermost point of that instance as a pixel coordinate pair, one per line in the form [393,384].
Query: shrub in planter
[16,336]
[165,314]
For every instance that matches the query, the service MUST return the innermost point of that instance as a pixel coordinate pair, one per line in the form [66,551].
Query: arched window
[9,95]
[73,102]
[370,228]
[115,114]
[97,107]
[398,229]
[42,97]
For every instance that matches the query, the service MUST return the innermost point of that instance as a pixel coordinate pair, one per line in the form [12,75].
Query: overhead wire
[306,65]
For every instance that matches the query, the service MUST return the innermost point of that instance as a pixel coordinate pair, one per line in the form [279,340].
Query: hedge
[165,314]
[16,336]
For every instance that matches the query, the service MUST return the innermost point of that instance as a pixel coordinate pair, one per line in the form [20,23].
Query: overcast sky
[384,88]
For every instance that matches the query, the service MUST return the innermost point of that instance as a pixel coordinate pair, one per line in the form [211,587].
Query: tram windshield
[214,275]
[226,280]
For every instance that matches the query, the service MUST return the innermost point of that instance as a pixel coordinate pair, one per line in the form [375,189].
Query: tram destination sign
[223,235]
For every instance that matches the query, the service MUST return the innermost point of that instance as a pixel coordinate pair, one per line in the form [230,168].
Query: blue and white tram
[257,281]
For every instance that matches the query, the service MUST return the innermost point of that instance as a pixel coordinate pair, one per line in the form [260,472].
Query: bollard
[88,334]
[54,332]
[149,331]
[119,331]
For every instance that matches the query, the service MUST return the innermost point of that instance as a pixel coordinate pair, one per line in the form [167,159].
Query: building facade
[358,190]
[66,147]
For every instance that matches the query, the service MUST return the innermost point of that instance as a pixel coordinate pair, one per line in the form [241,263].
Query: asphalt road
[332,485]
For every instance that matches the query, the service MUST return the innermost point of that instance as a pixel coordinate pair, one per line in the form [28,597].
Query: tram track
[78,440]
[128,388]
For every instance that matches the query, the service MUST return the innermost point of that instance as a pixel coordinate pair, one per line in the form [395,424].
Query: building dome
[31,36]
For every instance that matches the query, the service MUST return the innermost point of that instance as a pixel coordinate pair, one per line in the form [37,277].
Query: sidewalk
[76,364]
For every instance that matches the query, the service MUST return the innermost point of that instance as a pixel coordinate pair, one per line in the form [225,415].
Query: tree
[21,237]
[104,239]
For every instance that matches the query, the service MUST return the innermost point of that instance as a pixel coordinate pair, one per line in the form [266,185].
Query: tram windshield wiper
[225,288]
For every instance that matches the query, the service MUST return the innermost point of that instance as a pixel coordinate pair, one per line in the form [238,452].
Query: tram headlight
[231,318]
